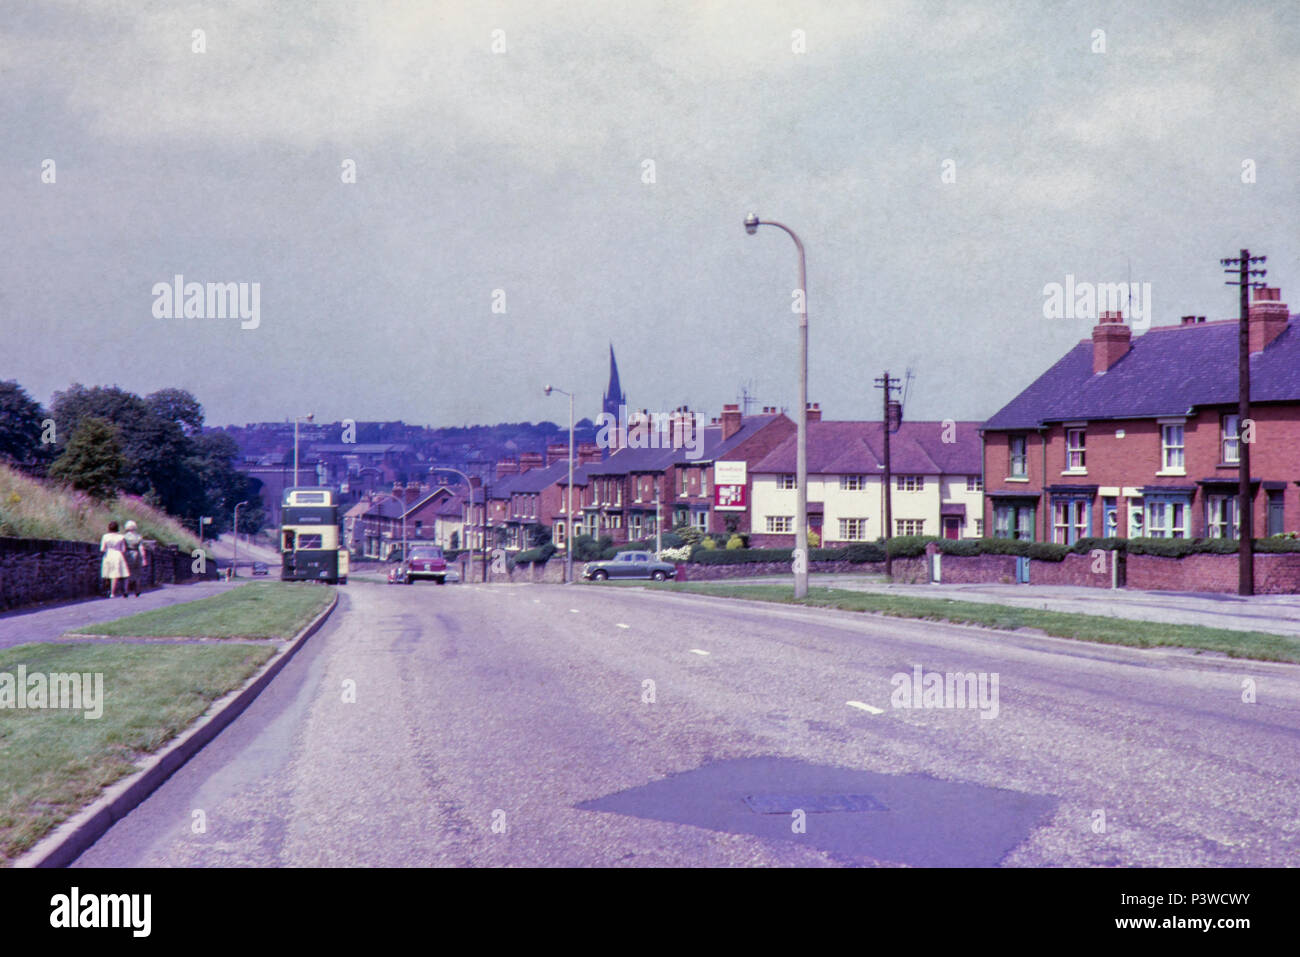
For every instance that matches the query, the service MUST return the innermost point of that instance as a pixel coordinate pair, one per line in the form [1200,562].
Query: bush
[587,549]
[680,554]
[708,544]
[1048,551]
[539,555]
[744,556]
[735,542]
[1004,546]
[814,540]
[959,546]
[909,546]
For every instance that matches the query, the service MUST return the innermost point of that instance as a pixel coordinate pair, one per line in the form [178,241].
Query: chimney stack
[730,420]
[558,452]
[530,460]
[507,467]
[814,413]
[587,453]
[1111,340]
[1268,318]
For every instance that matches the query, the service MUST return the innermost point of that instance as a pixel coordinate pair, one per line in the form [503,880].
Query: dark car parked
[259,568]
[629,565]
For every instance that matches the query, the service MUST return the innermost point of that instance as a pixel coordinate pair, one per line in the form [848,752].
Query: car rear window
[426,553]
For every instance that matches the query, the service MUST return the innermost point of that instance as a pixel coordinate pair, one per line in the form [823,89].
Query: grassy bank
[1094,628]
[54,762]
[33,509]
[261,610]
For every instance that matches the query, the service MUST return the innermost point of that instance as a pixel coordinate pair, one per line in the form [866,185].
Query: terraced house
[1140,436]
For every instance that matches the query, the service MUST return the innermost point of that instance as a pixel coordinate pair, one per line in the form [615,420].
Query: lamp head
[751,223]
[311,416]
[547,390]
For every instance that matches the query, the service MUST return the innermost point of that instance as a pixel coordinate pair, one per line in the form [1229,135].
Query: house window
[634,526]
[1071,520]
[979,528]
[853,529]
[559,533]
[909,526]
[1221,516]
[785,481]
[1230,439]
[700,520]
[1171,448]
[974,483]
[1074,450]
[852,483]
[1166,517]
[1013,521]
[1018,464]
[910,483]
[781,524]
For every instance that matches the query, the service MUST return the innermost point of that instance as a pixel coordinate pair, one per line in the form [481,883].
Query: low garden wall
[35,570]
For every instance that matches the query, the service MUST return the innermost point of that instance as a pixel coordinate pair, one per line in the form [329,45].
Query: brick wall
[964,569]
[42,570]
[1275,574]
[907,570]
[1072,570]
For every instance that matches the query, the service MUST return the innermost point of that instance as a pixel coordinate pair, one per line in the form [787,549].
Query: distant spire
[614,395]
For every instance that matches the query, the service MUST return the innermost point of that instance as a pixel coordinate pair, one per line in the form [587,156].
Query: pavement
[545,725]
[1276,614]
[50,622]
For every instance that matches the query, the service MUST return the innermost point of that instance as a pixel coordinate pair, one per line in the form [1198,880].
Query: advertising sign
[729,480]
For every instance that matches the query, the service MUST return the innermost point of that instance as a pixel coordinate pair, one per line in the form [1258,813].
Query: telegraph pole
[1245,507]
[888,385]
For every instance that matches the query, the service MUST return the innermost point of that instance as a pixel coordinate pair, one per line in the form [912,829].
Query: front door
[951,527]
[1275,513]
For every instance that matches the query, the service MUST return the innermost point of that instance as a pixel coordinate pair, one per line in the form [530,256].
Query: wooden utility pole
[888,385]
[1245,506]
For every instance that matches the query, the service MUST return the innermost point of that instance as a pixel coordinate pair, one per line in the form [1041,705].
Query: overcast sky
[524,171]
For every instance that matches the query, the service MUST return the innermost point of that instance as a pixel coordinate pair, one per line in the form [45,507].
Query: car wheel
[658,576]
[600,576]
[441,580]
[343,580]
[406,580]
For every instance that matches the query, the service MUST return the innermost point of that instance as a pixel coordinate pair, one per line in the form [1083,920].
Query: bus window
[288,540]
[309,541]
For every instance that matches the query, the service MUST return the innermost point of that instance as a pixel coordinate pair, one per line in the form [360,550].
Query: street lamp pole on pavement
[568,508]
[234,553]
[752,222]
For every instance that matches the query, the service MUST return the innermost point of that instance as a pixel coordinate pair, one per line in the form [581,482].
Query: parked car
[259,568]
[629,565]
[425,561]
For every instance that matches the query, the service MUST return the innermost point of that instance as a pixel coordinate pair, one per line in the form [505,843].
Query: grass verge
[1095,628]
[53,762]
[256,610]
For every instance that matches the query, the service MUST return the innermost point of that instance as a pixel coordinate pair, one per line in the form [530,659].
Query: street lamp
[310,416]
[470,513]
[568,508]
[234,554]
[752,222]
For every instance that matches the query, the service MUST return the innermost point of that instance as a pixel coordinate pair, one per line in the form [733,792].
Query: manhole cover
[811,803]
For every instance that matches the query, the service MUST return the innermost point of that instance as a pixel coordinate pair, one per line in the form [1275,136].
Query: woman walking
[137,559]
[114,566]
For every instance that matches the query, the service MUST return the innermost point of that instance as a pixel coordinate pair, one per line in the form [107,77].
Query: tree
[92,460]
[20,424]
[179,406]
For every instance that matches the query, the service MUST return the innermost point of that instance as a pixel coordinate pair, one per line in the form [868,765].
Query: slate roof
[857,448]
[1170,370]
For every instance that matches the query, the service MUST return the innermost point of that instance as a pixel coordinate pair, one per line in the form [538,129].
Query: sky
[537,180]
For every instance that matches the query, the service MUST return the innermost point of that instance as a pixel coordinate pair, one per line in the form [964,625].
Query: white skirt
[114,565]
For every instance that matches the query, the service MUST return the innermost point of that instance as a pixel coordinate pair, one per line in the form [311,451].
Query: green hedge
[540,554]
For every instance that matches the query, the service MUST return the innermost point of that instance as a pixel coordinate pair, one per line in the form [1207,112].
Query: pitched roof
[1169,370]
[857,448]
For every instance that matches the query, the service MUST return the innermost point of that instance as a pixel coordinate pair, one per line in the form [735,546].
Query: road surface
[600,726]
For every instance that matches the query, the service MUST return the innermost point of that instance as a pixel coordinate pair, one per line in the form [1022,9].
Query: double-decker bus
[310,549]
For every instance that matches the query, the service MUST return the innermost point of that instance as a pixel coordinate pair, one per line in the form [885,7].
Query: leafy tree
[20,424]
[179,406]
[92,460]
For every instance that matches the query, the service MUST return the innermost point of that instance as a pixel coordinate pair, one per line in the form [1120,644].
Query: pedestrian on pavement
[114,566]
[137,559]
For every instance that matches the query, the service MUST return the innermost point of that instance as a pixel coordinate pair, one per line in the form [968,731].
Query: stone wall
[33,571]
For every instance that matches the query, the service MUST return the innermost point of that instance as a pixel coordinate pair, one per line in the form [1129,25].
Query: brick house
[935,487]
[1138,436]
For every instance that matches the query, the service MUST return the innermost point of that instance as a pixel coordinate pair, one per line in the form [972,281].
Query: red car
[424,561]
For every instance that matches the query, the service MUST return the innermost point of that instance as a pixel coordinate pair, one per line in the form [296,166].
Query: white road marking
[862,706]
[696,651]
[621,625]
[575,611]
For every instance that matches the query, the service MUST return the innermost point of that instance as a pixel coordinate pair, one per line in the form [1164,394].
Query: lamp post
[469,486]
[296,419]
[568,508]
[752,222]
[234,554]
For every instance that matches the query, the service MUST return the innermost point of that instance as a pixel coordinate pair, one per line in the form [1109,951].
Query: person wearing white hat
[137,559]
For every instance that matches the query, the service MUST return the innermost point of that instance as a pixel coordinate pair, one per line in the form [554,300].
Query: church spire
[614,396]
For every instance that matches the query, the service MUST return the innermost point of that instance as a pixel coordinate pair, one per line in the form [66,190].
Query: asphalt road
[513,725]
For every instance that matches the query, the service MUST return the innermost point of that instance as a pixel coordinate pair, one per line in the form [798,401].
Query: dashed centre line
[863,706]
[697,651]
